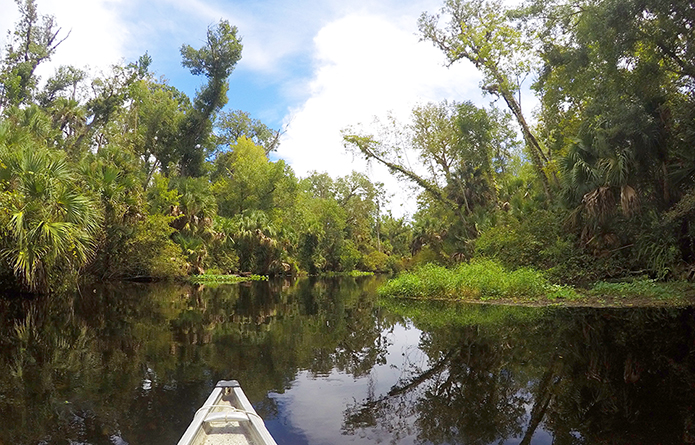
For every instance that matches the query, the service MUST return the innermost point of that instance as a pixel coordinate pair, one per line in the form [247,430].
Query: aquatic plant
[479,280]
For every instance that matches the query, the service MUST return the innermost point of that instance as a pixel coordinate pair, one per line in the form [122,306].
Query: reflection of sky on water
[312,411]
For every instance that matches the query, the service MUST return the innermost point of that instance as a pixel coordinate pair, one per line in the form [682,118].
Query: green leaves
[52,227]
[34,41]
[219,55]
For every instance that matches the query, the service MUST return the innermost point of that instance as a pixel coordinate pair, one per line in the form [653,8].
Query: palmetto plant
[597,179]
[49,226]
[257,242]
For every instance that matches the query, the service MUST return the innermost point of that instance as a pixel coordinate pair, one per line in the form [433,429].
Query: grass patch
[644,289]
[211,278]
[480,280]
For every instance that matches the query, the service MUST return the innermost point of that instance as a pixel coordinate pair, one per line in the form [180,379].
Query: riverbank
[486,281]
[229,279]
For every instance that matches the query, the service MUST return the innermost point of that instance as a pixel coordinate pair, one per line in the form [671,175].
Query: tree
[34,41]
[64,84]
[50,226]
[322,235]
[395,234]
[481,32]
[238,123]
[256,241]
[460,148]
[358,196]
[216,61]
[151,124]
[616,89]
[245,179]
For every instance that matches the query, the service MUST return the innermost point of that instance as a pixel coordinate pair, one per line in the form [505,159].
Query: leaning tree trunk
[539,159]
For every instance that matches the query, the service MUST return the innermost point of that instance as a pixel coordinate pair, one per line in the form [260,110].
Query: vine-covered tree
[216,61]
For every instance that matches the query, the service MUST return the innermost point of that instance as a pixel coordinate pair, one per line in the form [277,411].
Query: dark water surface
[325,362]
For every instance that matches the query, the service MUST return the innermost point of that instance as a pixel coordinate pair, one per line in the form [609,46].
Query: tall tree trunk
[538,157]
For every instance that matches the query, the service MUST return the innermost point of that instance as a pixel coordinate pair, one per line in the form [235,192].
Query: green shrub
[395,263]
[375,261]
[349,256]
[644,288]
[144,249]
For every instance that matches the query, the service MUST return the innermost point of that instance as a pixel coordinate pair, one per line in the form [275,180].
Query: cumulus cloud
[367,66]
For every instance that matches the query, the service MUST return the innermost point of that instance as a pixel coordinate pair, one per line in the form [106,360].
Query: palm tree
[197,206]
[256,240]
[50,227]
[71,119]
[597,179]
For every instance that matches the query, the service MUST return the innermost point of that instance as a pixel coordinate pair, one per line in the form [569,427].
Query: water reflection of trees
[583,375]
[137,362]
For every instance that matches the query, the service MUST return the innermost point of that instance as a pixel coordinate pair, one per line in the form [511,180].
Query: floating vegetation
[211,278]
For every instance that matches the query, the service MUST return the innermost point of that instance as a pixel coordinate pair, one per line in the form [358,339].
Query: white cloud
[367,66]
[98,37]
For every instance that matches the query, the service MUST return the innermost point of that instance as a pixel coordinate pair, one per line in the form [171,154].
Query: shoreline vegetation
[487,281]
[223,279]
[209,278]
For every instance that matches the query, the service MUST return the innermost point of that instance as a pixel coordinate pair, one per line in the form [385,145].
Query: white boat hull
[227,418]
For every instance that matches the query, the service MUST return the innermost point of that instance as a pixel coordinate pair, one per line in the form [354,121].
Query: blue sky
[311,67]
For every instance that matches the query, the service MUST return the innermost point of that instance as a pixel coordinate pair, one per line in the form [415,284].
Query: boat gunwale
[222,388]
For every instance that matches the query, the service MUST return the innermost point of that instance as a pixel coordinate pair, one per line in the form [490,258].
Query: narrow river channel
[324,361]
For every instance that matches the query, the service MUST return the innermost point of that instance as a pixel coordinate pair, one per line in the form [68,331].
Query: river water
[327,362]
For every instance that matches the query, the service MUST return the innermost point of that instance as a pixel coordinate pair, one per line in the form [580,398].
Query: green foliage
[256,241]
[197,206]
[216,60]
[535,240]
[213,279]
[234,124]
[479,280]
[148,252]
[246,180]
[461,148]
[375,261]
[349,256]
[34,40]
[484,33]
[656,249]
[153,119]
[161,199]
[644,289]
[51,226]
[395,235]
[125,173]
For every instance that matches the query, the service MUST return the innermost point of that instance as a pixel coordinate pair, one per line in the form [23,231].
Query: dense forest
[123,176]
